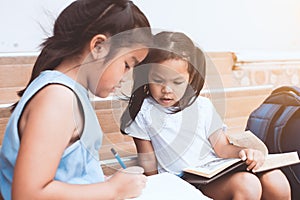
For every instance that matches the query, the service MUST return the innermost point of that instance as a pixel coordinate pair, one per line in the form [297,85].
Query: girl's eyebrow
[178,78]
[159,76]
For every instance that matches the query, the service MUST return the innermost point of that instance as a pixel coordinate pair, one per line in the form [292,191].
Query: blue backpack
[277,123]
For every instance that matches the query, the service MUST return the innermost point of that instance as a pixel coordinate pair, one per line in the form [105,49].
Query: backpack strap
[294,89]
[280,123]
[260,119]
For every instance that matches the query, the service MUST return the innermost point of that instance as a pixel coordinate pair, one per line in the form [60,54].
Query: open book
[216,168]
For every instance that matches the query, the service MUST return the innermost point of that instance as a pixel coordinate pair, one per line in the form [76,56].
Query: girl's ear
[97,46]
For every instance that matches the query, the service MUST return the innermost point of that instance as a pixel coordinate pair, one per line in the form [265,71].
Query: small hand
[254,158]
[128,184]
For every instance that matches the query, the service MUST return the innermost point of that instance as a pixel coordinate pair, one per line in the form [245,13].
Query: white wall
[22,23]
[215,25]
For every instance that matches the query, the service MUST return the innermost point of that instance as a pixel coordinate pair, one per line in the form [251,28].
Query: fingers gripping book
[220,166]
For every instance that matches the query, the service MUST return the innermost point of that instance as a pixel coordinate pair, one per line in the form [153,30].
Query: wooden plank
[3,123]
[220,62]
[115,138]
[111,166]
[109,120]
[9,95]
[236,121]
[238,107]
[6,59]
[124,149]
[15,75]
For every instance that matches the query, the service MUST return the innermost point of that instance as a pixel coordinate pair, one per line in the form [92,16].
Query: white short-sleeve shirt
[179,139]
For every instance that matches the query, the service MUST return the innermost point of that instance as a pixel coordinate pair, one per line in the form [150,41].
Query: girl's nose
[166,89]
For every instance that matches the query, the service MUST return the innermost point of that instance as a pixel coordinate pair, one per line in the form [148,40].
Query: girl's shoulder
[147,105]
[203,101]
[149,102]
[204,104]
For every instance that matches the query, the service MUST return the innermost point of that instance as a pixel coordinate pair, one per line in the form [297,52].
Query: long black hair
[167,45]
[78,23]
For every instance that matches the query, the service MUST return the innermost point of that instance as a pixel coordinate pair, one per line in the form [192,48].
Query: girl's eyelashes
[160,81]
[127,66]
[178,82]
[157,80]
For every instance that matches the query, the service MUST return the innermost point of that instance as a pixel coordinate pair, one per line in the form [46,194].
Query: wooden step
[220,62]
[236,125]
[15,75]
[124,149]
[3,123]
[9,95]
[17,58]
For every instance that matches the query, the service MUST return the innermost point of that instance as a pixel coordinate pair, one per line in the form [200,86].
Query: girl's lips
[166,100]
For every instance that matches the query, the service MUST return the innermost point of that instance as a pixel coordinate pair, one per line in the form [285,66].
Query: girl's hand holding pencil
[128,179]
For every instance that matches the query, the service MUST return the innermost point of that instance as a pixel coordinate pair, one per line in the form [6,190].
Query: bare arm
[146,156]
[46,128]
[222,147]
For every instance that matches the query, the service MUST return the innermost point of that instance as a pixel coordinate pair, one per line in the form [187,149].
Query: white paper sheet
[166,186]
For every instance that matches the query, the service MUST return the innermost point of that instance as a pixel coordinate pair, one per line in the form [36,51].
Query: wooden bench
[227,96]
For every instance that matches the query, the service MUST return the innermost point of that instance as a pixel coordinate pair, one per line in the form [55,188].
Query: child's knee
[275,184]
[247,186]
[274,179]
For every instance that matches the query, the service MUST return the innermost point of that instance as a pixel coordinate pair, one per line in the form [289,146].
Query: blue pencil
[118,158]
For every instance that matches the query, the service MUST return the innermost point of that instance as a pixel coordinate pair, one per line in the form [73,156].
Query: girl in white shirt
[173,127]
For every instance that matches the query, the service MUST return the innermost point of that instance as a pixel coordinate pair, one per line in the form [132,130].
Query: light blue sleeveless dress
[80,161]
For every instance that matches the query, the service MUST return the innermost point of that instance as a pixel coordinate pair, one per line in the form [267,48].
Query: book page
[166,186]
[273,161]
[247,139]
[213,167]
